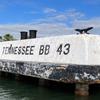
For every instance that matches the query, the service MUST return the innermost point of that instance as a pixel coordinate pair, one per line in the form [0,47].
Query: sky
[49,17]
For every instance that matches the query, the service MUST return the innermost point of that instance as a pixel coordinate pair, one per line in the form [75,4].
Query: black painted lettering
[67,49]
[27,50]
[63,49]
[59,50]
[41,51]
[10,49]
[47,48]
[19,50]
[23,50]
[15,50]
[3,52]
[32,50]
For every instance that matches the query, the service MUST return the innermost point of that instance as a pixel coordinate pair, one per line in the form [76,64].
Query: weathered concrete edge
[56,72]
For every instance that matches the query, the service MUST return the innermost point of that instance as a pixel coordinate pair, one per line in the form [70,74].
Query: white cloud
[59,17]
[93,22]
[51,29]
[44,29]
[49,10]
[65,16]
[57,24]
[73,13]
[93,2]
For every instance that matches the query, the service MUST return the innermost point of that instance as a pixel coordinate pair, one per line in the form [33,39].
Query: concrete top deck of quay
[68,49]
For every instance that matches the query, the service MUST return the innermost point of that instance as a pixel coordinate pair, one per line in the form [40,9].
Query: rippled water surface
[14,90]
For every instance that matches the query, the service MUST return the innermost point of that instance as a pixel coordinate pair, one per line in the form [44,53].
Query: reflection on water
[14,90]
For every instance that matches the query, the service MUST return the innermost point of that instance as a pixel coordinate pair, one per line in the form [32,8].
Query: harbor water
[15,90]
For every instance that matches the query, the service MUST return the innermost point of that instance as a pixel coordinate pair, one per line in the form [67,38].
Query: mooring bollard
[0,38]
[32,34]
[24,35]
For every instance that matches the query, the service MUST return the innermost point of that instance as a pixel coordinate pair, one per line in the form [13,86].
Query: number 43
[63,49]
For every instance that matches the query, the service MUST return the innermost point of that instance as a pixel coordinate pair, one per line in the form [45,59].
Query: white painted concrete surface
[72,49]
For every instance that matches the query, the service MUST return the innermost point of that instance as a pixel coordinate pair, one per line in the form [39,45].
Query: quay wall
[69,59]
[56,72]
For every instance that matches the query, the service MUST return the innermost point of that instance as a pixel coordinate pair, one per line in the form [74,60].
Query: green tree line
[7,37]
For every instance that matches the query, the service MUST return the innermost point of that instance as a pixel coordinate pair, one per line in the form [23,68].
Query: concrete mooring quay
[68,59]
[81,75]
